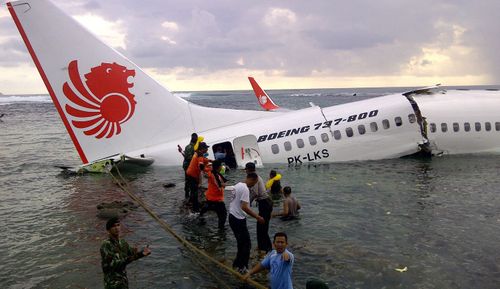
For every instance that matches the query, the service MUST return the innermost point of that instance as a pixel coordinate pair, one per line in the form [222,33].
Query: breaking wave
[306,94]
[10,99]
[182,94]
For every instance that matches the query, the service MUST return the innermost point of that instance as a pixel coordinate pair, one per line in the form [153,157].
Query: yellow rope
[183,241]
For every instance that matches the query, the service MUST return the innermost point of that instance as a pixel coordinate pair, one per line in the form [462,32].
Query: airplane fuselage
[378,128]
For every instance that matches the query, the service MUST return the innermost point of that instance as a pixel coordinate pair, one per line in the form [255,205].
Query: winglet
[264,100]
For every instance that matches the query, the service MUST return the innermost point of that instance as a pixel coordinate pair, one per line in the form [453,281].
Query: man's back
[238,195]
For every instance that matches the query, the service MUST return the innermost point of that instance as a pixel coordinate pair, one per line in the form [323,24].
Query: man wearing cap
[265,204]
[197,164]
[115,255]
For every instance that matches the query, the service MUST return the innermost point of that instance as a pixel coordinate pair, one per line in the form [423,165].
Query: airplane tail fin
[264,100]
[107,103]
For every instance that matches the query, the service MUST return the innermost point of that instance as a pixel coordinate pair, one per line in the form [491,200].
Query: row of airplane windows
[337,135]
[466,126]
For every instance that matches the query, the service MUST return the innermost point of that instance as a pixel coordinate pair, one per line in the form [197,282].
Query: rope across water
[123,184]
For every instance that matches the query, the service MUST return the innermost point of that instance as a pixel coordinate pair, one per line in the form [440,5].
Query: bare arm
[246,209]
[256,269]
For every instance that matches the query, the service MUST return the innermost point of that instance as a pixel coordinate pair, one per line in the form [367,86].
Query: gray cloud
[339,38]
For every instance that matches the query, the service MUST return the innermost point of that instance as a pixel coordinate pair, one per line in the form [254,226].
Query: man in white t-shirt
[238,209]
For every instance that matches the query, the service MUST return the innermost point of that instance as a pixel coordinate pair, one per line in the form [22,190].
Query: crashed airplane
[112,109]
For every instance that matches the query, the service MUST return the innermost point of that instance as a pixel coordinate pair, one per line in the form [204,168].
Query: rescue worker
[265,204]
[188,155]
[215,193]
[193,172]
[116,254]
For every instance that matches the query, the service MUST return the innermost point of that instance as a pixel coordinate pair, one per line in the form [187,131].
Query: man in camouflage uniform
[188,155]
[115,255]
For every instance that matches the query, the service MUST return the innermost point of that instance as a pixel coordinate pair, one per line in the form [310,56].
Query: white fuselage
[378,128]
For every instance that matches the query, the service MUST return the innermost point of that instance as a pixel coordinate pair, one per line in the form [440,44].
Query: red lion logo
[105,103]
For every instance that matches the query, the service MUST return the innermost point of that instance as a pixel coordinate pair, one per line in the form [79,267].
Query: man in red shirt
[193,172]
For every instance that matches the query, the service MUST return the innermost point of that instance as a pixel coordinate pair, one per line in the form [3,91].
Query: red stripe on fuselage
[47,84]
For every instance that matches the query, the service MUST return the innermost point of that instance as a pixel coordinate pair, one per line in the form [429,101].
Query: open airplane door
[246,150]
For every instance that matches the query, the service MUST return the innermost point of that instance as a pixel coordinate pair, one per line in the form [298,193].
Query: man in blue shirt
[279,262]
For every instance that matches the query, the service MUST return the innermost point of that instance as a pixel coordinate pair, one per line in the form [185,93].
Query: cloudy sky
[214,45]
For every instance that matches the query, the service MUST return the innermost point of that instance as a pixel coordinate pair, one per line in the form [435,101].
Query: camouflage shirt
[188,155]
[115,255]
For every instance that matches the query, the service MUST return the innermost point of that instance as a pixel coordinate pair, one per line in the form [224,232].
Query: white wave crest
[182,94]
[306,94]
[9,99]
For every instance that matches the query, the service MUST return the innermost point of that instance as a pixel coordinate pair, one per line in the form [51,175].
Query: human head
[280,241]
[287,191]
[194,138]
[272,174]
[203,147]
[251,179]
[113,227]
[250,167]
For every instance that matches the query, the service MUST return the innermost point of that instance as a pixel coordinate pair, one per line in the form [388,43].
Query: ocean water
[360,221]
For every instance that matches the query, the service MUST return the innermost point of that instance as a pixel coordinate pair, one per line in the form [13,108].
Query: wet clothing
[240,230]
[193,187]
[219,208]
[258,191]
[215,197]
[281,271]
[265,211]
[265,204]
[115,255]
[193,179]
[188,155]
[275,191]
[238,223]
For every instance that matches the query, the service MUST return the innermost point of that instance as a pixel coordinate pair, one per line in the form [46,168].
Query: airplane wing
[264,100]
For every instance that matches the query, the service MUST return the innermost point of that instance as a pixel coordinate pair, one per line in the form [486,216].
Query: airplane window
[487,126]
[349,132]
[466,126]
[477,126]
[361,129]
[275,148]
[398,121]
[456,127]
[312,140]
[385,124]
[324,137]
[497,126]
[288,146]
[373,126]
[444,127]
[433,127]
[300,143]
[412,118]
[337,135]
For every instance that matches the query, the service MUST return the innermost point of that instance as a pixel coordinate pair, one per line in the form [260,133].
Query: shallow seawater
[359,221]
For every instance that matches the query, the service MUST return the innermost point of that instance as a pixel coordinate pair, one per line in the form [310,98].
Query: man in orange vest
[197,164]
